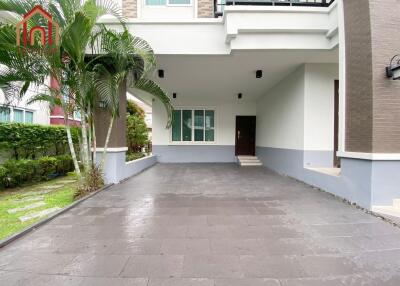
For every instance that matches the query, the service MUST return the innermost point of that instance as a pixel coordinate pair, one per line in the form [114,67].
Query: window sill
[334,172]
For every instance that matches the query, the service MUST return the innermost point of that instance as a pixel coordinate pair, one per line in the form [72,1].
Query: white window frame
[179,5]
[193,142]
[167,4]
[24,110]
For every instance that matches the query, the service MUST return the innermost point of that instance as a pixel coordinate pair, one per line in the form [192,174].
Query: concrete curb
[33,227]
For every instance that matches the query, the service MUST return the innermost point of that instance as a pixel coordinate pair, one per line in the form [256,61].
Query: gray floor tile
[193,224]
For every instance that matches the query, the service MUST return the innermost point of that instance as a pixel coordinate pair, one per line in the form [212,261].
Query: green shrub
[29,141]
[3,177]
[14,173]
[47,166]
[134,156]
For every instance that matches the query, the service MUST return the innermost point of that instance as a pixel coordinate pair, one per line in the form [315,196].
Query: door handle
[238,134]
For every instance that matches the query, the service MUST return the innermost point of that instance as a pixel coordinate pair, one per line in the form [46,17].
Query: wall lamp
[393,71]
[240,96]
[161,73]
[259,74]
[174,95]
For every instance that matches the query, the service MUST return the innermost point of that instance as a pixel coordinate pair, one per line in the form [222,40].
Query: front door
[336,159]
[245,135]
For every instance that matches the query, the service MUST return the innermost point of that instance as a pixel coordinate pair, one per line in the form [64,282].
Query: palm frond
[154,89]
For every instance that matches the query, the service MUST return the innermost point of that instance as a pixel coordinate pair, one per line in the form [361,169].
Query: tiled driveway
[203,225]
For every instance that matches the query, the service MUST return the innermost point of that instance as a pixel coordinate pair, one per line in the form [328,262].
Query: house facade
[301,85]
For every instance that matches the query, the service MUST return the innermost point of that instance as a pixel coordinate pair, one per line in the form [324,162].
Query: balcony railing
[219,5]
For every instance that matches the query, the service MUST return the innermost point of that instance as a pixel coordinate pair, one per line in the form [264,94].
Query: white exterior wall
[225,120]
[319,106]
[280,114]
[298,114]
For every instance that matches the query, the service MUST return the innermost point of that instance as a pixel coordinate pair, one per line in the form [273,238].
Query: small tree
[137,134]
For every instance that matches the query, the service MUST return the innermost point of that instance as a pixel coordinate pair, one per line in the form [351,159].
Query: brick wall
[372,100]
[129,8]
[205,9]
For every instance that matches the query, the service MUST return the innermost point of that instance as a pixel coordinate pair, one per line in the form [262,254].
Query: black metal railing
[219,5]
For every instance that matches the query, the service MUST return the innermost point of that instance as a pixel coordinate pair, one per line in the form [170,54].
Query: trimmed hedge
[14,173]
[29,141]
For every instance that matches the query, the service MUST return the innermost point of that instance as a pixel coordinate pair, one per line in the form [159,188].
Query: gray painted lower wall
[367,183]
[318,158]
[116,169]
[194,153]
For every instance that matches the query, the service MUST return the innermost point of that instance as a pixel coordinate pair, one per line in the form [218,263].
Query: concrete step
[247,161]
[247,157]
[396,204]
[252,164]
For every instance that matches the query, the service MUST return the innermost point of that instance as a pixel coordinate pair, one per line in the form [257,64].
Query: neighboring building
[57,113]
[21,112]
[301,84]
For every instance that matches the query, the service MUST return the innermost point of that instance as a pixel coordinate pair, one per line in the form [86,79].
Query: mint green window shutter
[210,125]
[179,2]
[176,125]
[28,117]
[199,125]
[187,125]
[18,116]
[4,114]
[156,2]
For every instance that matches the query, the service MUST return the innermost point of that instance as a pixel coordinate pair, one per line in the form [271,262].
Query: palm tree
[82,78]
[126,59]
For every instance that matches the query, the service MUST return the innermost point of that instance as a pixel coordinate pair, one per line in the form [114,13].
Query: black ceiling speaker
[259,74]
[161,73]
[240,96]
[174,95]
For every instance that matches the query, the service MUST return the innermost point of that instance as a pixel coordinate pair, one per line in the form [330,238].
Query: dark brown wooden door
[336,159]
[245,135]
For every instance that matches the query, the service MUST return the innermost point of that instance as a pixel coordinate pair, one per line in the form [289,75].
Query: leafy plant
[28,141]
[14,173]
[92,182]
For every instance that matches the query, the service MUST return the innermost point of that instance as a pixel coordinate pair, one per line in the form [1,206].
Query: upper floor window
[193,125]
[17,115]
[167,2]
[4,114]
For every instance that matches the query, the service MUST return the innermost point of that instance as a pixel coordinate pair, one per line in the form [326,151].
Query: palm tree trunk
[85,146]
[103,159]
[72,149]
[94,143]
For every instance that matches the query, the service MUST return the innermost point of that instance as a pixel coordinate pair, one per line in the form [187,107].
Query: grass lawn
[50,195]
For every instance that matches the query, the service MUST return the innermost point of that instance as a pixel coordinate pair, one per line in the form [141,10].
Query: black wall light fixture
[174,95]
[259,73]
[240,96]
[161,73]
[393,70]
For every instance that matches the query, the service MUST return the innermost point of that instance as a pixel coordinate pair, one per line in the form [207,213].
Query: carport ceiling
[224,76]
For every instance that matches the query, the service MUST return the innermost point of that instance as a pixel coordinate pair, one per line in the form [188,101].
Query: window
[18,116]
[193,125]
[4,114]
[156,2]
[167,2]
[179,2]
[28,117]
